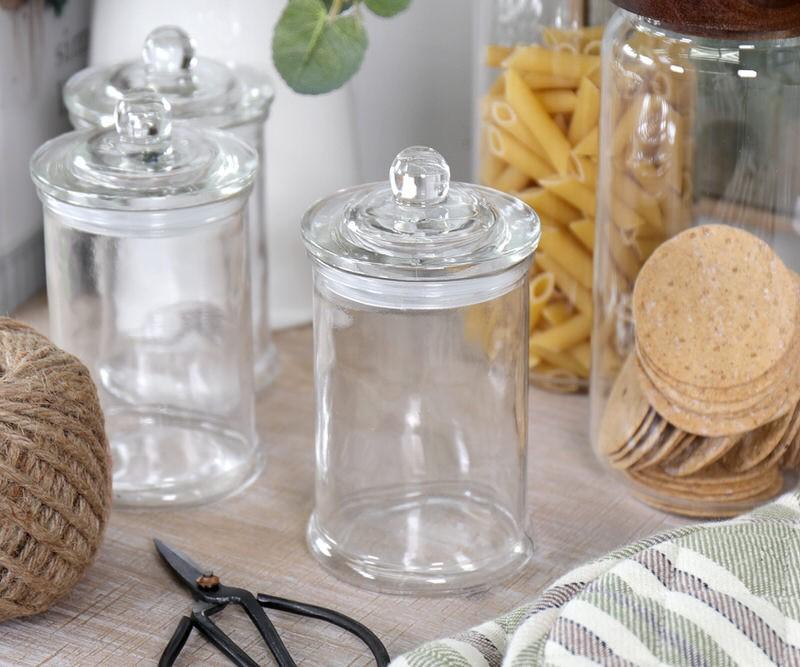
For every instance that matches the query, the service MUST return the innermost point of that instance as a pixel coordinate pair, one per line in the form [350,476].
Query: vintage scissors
[211,597]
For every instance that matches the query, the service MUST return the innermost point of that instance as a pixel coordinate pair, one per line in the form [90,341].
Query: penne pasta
[557,312]
[510,179]
[584,231]
[585,170]
[587,111]
[582,353]
[495,55]
[556,62]
[574,192]
[531,112]
[502,115]
[549,206]
[542,81]
[589,146]
[505,146]
[561,360]
[559,245]
[541,290]
[564,336]
[558,101]
[568,286]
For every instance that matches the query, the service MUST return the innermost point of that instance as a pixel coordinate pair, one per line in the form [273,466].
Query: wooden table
[125,609]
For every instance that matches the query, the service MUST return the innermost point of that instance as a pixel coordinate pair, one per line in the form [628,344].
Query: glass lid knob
[169,50]
[143,120]
[419,176]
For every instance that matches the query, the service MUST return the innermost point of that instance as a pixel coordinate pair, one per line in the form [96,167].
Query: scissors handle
[348,624]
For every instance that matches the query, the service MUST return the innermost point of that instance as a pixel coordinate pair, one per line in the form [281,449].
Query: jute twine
[55,471]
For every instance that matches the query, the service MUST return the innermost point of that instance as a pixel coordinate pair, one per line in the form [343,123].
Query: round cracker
[625,411]
[729,294]
[701,453]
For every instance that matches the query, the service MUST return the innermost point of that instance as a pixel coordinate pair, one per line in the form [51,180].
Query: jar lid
[143,164]
[420,226]
[199,89]
[720,18]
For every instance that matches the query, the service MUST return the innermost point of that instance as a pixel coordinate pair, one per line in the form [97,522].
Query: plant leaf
[387,7]
[313,52]
[347,4]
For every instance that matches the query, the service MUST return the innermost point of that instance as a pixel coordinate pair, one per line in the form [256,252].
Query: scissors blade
[184,567]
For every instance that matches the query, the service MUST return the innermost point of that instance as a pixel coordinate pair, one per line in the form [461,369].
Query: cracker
[625,411]
[672,440]
[731,298]
[701,453]
[718,425]
[647,444]
[757,445]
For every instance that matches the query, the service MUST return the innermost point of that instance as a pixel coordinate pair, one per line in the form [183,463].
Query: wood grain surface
[721,17]
[126,608]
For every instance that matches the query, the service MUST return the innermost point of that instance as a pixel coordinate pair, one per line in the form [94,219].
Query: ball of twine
[55,471]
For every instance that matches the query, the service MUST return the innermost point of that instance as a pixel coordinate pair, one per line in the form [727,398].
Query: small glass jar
[699,125]
[167,340]
[538,79]
[206,93]
[420,311]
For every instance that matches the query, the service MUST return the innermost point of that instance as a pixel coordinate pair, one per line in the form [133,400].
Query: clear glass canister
[167,340]
[538,81]
[206,93]
[420,311]
[699,126]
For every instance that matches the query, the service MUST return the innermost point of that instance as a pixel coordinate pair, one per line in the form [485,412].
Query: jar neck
[416,295]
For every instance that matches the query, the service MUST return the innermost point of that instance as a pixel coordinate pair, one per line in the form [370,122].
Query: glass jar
[420,339]
[167,340]
[206,93]
[699,125]
[539,86]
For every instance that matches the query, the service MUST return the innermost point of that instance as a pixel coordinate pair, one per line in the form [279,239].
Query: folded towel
[711,594]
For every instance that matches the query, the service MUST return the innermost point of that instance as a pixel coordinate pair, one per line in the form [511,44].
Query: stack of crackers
[704,417]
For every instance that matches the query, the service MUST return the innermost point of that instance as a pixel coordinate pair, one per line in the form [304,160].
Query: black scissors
[211,597]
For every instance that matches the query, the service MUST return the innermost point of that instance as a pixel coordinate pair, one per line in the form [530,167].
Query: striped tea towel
[708,595]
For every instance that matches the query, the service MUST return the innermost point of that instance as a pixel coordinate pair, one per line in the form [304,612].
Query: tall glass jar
[538,86]
[420,341]
[205,93]
[699,125]
[168,340]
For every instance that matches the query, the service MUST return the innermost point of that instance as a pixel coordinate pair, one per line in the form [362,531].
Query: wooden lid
[720,18]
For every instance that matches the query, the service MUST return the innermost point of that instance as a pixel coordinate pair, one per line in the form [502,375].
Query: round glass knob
[169,50]
[144,121]
[419,176]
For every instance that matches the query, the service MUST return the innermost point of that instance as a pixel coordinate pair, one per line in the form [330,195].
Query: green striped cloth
[714,595]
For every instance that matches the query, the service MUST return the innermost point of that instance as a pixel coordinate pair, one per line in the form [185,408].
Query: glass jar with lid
[203,92]
[421,380]
[538,81]
[168,341]
[699,126]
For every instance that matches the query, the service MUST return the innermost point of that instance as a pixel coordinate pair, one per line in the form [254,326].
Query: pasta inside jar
[539,141]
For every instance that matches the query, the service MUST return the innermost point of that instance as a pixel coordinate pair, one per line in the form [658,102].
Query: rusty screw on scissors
[211,597]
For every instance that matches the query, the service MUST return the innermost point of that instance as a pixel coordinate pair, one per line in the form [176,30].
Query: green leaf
[347,4]
[387,7]
[315,53]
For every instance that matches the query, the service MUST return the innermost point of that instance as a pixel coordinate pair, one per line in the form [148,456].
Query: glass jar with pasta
[699,127]
[539,81]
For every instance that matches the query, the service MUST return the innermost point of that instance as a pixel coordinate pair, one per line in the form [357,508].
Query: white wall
[415,86]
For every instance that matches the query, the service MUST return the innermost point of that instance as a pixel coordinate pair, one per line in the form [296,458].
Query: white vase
[311,140]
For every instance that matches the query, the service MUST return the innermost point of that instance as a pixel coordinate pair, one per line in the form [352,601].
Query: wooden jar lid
[720,18]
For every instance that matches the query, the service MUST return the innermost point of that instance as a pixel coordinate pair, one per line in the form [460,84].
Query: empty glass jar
[167,340]
[420,330]
[699,125]
[207,93]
